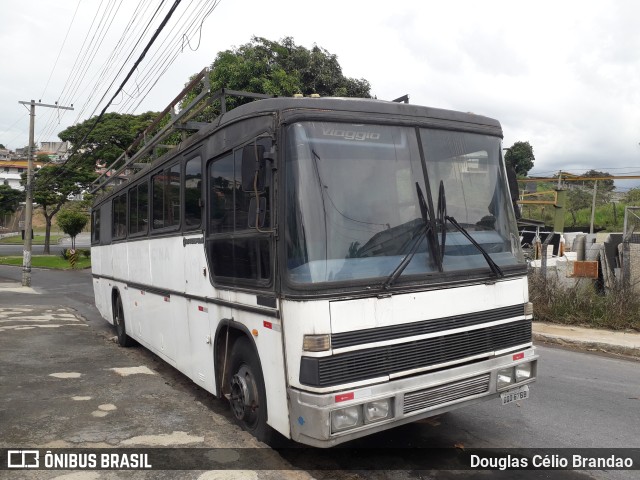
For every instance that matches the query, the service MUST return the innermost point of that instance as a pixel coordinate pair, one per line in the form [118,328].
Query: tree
[632,197]
[282,68]
[9,200]
[108,140]
[71,221]
[577,199]
[52,186]
[520,157]
[605,187]
[2,147]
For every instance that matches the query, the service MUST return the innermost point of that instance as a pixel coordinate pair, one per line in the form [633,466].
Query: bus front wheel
[247,392]
[124,340]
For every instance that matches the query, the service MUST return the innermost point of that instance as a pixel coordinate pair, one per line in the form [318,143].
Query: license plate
[515,395]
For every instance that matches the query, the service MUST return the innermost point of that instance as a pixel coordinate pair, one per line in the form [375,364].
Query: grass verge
[47,261]
[37,240]
[582,305]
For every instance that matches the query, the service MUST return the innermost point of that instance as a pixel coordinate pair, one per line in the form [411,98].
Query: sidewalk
[621,343]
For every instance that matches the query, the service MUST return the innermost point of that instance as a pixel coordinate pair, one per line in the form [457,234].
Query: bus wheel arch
[241,380]
[117,309]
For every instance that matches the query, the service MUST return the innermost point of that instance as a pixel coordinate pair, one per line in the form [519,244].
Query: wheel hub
[243,395]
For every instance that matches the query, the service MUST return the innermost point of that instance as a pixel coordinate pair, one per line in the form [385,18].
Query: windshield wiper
[425,229]
[497,271]
[443,218]
[419,236]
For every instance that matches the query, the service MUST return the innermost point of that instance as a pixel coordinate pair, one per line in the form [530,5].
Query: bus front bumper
[325,420]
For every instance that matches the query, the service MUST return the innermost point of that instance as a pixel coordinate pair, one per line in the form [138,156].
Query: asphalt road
[581,400]
[82,241]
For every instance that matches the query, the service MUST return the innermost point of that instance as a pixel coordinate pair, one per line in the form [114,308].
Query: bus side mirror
[261,206]
[253,163]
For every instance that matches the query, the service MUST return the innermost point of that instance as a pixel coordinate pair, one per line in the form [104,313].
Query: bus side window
[221,185]
[139,209]
[166,197]
[95,226]
[193,192]
[119,216]
[238,252]
[253,180]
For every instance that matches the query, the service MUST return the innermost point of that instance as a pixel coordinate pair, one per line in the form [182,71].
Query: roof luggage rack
[181,121]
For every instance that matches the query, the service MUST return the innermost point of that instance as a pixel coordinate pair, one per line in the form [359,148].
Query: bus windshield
[353,207]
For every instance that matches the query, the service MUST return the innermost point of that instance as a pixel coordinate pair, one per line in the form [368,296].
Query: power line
[61,48]
[133,68]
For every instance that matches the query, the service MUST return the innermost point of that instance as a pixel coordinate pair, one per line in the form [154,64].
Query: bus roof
[343,108]
[357,106]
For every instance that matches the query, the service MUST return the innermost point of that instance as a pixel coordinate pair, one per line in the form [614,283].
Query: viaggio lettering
[350,134]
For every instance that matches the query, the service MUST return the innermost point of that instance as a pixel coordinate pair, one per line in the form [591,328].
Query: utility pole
[593,205]
[28,213]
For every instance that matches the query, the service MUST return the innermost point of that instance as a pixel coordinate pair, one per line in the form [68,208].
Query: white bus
[333,267]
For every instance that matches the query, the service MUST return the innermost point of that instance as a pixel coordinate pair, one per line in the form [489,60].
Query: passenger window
[221,179]
[139,209]
[193,192]
[166,197]
[246,258]
[95,226]
[119,226]
[237,251]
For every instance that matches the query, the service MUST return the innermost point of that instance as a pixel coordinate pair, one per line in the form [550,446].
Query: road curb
[587,345]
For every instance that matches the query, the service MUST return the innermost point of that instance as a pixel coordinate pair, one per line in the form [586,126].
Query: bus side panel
[201,318]
[166,266]
[139,268]
[196,272]
[268,341]
[120,262]
[101,288]
[194,343]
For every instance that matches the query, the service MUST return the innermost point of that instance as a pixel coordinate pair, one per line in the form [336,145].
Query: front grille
[451,392]
[380,334]
[381,361]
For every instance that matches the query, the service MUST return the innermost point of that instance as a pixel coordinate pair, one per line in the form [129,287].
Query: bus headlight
[377,410]
[505,377]
[523,372]
[345,418]
[316,343]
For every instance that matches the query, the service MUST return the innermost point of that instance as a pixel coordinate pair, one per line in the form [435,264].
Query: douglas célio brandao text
[569,462]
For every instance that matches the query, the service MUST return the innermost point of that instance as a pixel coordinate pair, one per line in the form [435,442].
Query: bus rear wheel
[248,398]
[124,340]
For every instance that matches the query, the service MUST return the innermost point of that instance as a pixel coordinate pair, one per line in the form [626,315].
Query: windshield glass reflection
[352,208]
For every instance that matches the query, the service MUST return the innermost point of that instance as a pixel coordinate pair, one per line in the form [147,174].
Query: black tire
[124,340]
[248,399]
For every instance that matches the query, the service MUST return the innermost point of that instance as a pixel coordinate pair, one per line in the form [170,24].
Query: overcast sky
[563,75]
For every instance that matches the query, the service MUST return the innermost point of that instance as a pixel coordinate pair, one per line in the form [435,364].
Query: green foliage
[108,140]
[9,199]
[53,185]
[577,199]
[520,156]
[608,216]
[72,221]
[619,309]
[281,68]
[46,261]
[632,197]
